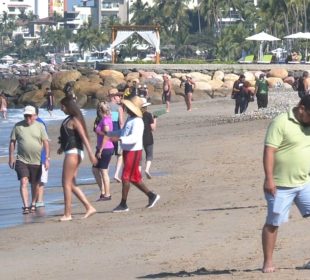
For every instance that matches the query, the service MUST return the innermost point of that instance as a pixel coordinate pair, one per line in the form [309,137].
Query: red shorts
[131,172]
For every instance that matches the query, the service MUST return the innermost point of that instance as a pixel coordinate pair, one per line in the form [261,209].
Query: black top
[69,138]
[147,134]
[238,85]
[188,87]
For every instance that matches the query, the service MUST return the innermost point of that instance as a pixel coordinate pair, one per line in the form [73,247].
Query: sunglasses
[28,116]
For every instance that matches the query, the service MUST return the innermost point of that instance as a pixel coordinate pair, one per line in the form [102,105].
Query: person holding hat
[30,136]
[131,140]
[148,141]
[117,114]
[261,91]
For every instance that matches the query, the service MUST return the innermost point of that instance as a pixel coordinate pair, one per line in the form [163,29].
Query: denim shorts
[280,204]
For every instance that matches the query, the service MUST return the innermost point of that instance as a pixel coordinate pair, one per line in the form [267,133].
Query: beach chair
[247,59]
[267,58]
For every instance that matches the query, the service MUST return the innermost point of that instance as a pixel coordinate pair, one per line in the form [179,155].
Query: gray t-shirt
[29,139]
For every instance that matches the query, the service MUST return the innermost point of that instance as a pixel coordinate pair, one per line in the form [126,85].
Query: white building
[41,8]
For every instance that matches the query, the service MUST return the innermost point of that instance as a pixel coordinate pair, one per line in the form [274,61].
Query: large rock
[231,77]
[289,80]
[148,75]
[215,84]
[132,76]
[229,84]
[36,96]
[218,75]
[111,73]
[94,78]
[87,88]
[202,86]
[278,73]
[249,76]
[60,79]
[113,81]
[9,86]
[199,77]
[275,82]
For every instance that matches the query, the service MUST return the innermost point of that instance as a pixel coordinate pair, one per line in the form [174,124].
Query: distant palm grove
[214,30]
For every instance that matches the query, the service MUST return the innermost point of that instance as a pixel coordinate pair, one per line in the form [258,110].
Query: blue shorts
[279,206]
[104,161]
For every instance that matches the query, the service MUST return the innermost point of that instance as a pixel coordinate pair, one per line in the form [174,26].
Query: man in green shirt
[30,136]
[287,167]
[261,91]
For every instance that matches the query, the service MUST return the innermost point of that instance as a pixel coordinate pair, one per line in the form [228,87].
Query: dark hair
[305,101]
[241,76]
[305,74]
[73,110]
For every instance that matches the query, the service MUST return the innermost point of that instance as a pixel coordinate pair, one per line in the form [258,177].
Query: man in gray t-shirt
[30,136]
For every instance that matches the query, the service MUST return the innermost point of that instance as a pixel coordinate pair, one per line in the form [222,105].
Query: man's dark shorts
[31,171]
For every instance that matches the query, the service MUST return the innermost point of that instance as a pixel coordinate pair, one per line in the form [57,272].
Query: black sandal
[32,208]
[25,210]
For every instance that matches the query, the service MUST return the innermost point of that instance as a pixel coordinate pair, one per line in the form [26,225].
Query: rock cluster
[91,85]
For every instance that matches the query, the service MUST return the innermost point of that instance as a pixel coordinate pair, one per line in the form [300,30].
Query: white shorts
[44,175]
[75,151]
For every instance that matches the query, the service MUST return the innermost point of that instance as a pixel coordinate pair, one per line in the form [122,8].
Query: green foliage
[202,28]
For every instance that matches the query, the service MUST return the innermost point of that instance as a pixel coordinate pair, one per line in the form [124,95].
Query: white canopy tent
[148,33]
[262,36]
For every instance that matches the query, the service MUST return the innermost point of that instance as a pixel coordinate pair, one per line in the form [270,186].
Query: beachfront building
[40,8]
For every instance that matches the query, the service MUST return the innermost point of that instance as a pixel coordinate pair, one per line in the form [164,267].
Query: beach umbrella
[261,37]
[300,35]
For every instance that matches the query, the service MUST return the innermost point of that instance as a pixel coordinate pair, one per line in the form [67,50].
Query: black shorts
[104,161]
[31,171]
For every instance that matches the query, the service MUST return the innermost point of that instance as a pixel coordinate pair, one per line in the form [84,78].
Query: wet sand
[207,224]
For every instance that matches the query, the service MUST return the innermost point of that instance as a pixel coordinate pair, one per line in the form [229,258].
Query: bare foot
[268,268]
[118,180]
[91,211]
[65,219]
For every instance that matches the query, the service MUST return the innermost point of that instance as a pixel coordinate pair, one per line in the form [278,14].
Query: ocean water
[10,201]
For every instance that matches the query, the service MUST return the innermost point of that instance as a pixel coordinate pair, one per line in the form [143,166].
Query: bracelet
[48,158]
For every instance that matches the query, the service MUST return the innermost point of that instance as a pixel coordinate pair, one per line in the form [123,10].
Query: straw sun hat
[134,105]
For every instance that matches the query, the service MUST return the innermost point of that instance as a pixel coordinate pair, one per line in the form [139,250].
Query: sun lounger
[267,58]
[248,59]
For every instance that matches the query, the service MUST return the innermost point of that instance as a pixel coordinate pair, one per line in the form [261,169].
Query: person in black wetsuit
[73,135]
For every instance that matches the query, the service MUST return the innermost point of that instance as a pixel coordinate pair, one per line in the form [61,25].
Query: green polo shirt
[292,157]
[29,140]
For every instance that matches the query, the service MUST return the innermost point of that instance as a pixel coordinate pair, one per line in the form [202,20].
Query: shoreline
[207,222]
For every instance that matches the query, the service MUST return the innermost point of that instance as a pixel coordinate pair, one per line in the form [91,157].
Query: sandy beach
[207,224]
